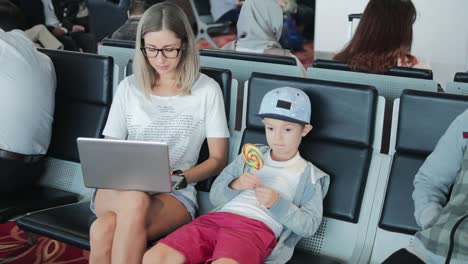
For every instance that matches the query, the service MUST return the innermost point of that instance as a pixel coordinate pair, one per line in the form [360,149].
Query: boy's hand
[247,181]
[266,196]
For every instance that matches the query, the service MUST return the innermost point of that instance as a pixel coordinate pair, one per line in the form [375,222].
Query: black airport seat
[340,144]
[396,71]
[83,99]
[423,117]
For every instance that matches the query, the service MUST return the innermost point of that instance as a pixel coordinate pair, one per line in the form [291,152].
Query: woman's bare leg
[138,217]
[101,237]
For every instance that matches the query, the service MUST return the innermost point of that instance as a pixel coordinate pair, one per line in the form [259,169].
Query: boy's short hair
[287,104]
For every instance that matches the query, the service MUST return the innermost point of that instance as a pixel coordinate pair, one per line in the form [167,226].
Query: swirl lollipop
[252,156]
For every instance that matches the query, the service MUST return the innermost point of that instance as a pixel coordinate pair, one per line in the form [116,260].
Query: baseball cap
[287,104]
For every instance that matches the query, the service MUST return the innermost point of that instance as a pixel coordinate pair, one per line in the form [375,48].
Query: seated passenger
[27,91]
[260,214]
[259,29]
[135,11]
[383,38]
[440,199]
[225,10]
[167,100]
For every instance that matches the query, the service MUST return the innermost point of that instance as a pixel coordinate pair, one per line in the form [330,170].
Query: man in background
[27,92]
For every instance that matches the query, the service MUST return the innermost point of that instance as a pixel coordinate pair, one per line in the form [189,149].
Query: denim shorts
[189,205]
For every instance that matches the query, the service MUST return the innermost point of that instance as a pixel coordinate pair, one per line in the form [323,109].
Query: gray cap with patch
[287,104]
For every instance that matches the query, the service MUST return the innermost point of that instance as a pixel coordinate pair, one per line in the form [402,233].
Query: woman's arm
[213,165]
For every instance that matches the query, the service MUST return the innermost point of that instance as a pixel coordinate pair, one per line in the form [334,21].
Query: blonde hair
[167,16]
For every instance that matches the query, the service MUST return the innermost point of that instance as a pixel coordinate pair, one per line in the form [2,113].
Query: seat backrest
[82,102]
[461,77]
[397,71]
[243,64]
[423,117]
[340,144]
[459,84]
[389,86]
[341,130]
[106,16]
[121,50]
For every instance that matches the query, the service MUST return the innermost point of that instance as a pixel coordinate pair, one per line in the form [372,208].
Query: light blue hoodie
[300,218]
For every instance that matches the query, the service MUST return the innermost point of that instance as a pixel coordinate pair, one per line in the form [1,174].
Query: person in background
[383,38]
[27,91]
[225,10]
[259,30]
[71,34]
[135,11]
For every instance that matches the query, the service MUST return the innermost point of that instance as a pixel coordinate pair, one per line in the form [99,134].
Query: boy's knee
[155,255]
[162,254]
[103,227]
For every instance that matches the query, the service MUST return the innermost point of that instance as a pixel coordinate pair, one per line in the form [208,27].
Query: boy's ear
[307,128]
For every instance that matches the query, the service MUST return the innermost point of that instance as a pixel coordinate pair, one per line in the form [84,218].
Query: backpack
[291,38]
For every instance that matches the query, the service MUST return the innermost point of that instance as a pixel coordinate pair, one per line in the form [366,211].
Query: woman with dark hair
[383,38]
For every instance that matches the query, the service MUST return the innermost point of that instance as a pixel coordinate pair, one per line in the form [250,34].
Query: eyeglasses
[168,53]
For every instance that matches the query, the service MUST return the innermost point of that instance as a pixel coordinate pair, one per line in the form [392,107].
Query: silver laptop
[125,165]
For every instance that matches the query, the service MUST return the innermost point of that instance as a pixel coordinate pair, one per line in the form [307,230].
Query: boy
[258,212]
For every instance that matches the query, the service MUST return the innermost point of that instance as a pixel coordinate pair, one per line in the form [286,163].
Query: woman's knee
[134,203]
[103,227]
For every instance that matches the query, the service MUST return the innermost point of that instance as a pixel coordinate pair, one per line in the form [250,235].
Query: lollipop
[252,156]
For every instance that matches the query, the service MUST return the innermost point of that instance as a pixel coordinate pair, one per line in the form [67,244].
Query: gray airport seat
[459,84]
[121,50]
[389,84]
[204,21]
[420,119]
[342,145]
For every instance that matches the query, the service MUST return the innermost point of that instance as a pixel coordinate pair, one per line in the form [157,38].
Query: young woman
[383,38]
[166,100]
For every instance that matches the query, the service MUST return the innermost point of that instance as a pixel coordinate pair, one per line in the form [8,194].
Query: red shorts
[223,235]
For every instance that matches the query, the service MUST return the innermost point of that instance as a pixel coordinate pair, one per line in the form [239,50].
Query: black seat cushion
[303,257]
[33,200]
[423,118]
[461,77]
[396,71]
[246,56]
[69,224]
[341,141]
[398,211]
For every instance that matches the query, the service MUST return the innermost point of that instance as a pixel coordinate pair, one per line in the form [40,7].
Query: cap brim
[284,118]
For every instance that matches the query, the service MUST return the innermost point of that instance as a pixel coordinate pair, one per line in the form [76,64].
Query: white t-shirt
[27,94]
[49,14]
[281,176]
[182,121]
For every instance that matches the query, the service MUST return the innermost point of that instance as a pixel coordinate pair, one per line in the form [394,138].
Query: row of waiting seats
[369,203]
